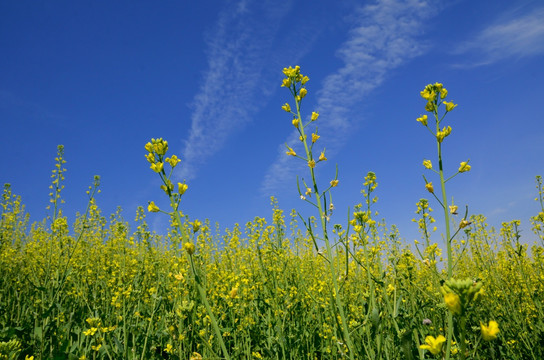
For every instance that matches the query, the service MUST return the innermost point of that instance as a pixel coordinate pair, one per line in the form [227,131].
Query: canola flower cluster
[294,287]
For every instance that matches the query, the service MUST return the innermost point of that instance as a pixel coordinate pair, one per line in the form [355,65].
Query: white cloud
[243,50]
[514,36]
[383,38]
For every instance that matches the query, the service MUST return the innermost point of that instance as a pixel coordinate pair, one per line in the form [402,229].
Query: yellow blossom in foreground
[182,188]
[464,223]
[427,93]
[189,247]
[295,122]
[464,167]
[315,137]
[196,225]
[304,80]
[429,187]
[423,119]
[428,164]
[157,167]
[152,207]
[449,105]
[453,209]
[490,332]
[314,116]
[286,107]
[286,83]
[173,161]
[311,164]
[433,345]
[322,156]
[291,152]
[443,93]
[453,302]
[334,183]
[302,93]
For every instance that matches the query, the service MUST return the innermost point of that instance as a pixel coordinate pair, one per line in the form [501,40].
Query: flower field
[294,287]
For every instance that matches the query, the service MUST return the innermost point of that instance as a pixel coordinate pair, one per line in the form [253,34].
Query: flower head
[291,152]
[334,183]
[464,167]
[423,119]
[429,187]
[322,156]
[490,331]
[315,137]
[428,164]
[449,105]
[311,164]
[315,116]
[182,188]
[152,207]
[286,107]
[433,345]
[189,247]
[453,302]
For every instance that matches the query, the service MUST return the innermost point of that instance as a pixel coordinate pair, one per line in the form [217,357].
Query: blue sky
[102,78]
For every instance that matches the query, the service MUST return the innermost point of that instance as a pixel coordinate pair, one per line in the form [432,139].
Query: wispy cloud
[241,50]
[513,36]
[384,36]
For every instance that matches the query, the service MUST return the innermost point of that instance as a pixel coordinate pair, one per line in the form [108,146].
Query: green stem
[322,216]
[200,286]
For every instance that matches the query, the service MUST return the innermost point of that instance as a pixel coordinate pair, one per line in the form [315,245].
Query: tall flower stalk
[156,151]
[435,94]
[295,82]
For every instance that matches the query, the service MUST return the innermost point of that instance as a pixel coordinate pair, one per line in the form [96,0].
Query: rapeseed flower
[434,345]
[423,119]
[152,207]
[490,331]
[286,107]
[428,164]
[453,302]
[429,187]
[464,167]
[314,116]
[291,152]
[334,183]
[449,105]
[322,156]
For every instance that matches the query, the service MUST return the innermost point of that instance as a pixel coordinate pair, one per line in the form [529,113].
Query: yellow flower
[169,349]
[315,137]
[286,83]
[449,105]
[490,332]
[429,187]
[423,120]
[464,167]
[196,225]
[443,93]
[96,347]
[304,80]
[464,223]
[453,209]
[195,356]
[311,164]
[302,93]
[314,116]
[428,164]
[322,156]
[286,107]
[157,167]
[182,188]
[291,151]
[433,345]
[442,134]
[427,93]
[149,147]
[29,357]
[295,122]
[173,161]
[334,183]
[453,302]
[152,207]
[233,292]
[430,106]
[189,247]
